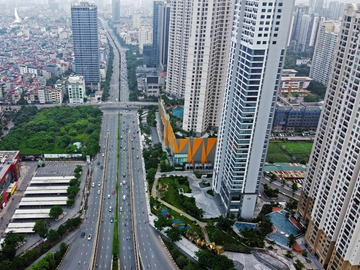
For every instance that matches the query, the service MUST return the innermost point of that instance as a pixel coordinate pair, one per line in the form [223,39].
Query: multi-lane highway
[82,248]
[132,201]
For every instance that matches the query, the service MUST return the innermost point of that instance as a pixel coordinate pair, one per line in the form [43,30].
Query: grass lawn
[167,180]
[280,151]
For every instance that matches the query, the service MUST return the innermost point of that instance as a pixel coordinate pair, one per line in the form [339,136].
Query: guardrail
[136,246]
[97,233]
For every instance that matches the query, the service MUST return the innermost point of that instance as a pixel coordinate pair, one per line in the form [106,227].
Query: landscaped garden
[168,217]
[171,190]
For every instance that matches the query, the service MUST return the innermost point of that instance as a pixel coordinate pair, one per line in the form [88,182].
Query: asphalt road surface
[152,253]
[81,249]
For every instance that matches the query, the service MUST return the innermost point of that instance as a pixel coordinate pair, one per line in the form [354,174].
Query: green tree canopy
[56,211]
[41,227]
[174,234]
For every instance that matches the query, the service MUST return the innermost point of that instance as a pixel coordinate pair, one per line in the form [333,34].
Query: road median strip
[116,246]
[136,246]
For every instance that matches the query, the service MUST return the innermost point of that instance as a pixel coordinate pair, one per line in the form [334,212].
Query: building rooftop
[6,159]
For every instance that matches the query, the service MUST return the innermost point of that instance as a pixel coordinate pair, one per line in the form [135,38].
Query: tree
[72,191]
[294,188]
[63,247]
[310,98]
[213,261]
[56,211]
[304,252]
[53,236]
[181,261]
[150,176]
[41,227]
[70,202]
[272,178]
[289,254]
[217,236]
[161,223]
[299,265]
[291,240]
[74,182]
[78,169]
[12,238]
[174,234]
[62,230]
[224,224]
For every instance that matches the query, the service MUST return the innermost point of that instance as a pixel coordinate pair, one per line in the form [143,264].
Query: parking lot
[51,169]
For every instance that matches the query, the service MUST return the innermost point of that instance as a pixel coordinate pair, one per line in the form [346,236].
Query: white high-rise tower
[257,54]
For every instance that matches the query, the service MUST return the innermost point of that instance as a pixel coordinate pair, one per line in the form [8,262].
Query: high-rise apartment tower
[257,54]
[324,51]
[330,200]
[115,8]
[84,19]
[198,53]
[161,56]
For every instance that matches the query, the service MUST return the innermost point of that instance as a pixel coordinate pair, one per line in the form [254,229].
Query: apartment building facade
[330,198]
[257,54]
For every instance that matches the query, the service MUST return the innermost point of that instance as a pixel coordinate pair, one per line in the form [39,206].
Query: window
[274,42]
[279,10]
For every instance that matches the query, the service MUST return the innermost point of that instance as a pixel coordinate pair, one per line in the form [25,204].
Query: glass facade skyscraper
[84,19]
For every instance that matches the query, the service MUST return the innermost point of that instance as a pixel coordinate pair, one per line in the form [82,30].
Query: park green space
[282,151]
[54,130]
[169,192]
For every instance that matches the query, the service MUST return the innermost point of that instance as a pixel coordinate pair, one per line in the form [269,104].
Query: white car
[110,209]
[120,209]
[109,196]
[98,192]
[120,184]
[137,156]
[89,237]
[99,184]
[93,185]
[124,197]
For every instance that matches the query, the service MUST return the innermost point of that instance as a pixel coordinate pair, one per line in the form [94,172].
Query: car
[93,185]
[99,184]
[120,184]
[124,174]
[120,209]
[101,167]
[82,235]
[89,237]
[124,182]
[124,197]
[111,219]
[110,209]
[109,196]
[98,192]
[137,156]
[113,192]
